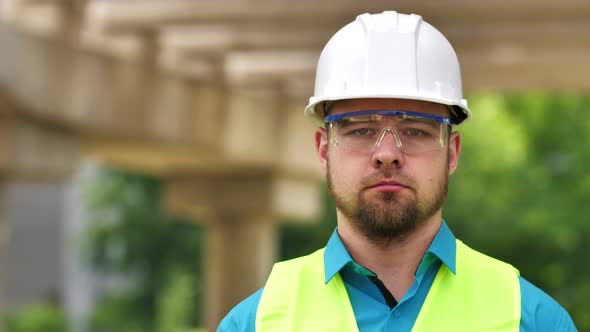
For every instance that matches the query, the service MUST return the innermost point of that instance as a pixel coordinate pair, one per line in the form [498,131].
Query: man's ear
[454,151]
[321,145]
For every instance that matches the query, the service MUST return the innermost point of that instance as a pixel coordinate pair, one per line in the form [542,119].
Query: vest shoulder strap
[295,288]
[483,295]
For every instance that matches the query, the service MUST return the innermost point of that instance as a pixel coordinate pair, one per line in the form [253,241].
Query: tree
[159,254]
[521,191]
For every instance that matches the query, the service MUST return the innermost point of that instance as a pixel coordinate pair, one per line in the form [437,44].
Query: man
[388,91]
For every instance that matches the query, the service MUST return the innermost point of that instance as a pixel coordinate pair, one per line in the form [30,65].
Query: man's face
[385,194]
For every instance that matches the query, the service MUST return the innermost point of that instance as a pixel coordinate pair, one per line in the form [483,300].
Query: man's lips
[388,185]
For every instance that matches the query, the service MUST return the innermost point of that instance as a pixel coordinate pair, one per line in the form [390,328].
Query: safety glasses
[364,131]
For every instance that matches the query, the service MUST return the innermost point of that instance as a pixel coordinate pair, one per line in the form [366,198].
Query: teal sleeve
[242,318]
[541,313]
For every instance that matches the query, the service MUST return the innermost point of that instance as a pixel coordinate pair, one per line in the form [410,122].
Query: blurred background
[155,162]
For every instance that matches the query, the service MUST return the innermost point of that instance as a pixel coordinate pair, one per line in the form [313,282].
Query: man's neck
[395,262]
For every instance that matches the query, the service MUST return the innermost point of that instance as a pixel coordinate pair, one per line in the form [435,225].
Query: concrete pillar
[35,155]
[236,205]
[241,208]
[240,252]
[33,257]
[4,237]
[4,229]
[80,283]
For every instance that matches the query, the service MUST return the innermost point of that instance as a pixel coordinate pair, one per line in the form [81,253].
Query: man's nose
[388,150]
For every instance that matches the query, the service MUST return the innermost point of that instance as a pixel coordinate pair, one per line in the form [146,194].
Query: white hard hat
[388,55]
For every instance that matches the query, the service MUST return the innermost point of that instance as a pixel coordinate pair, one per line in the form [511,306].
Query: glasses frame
[330,120]
[438,118]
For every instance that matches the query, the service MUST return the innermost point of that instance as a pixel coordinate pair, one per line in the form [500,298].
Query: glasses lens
[412,134]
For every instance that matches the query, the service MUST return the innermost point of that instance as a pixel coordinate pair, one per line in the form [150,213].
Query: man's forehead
[351,105]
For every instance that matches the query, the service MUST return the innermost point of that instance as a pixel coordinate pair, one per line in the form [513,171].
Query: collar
[443,248]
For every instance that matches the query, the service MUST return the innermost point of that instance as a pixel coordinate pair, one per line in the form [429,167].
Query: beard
[388,217]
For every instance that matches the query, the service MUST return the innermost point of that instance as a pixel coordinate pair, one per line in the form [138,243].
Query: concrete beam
[124,46]
[517,70]
[30,149]
[545,69]
[490,43]
[217,38]
[152,14]
[206,194]
[148,156]
[251,67]
[103,95]
[39,18]
[537,35]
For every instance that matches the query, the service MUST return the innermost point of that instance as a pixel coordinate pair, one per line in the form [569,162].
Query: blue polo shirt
[539,312]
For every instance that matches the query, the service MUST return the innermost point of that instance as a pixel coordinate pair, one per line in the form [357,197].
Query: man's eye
[415,132]
[361,132]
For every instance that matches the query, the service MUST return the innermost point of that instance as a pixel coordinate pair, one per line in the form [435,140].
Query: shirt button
[396,313]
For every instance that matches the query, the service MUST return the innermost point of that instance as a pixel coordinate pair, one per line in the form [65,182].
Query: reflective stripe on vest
[484,295]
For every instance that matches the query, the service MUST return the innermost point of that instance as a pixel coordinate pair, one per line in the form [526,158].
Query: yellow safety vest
[483,295]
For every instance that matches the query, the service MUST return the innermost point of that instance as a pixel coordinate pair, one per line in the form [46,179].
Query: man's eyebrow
[358,119]
[426,121]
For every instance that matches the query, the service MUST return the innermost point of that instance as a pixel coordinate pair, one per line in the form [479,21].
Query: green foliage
[160,255]
[521,190]
[37,318]
[176,304]
[121,312]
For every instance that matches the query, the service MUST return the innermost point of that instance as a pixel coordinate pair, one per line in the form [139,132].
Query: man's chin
[388,229]
[388,200]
